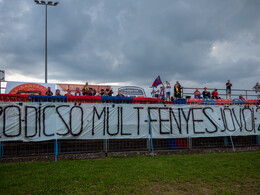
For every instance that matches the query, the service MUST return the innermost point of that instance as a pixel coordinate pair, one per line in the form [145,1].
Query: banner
[36,121]
[24,88]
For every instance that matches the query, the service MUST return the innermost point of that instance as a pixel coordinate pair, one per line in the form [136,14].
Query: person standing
[228,88]
[257,90]
[177,90]
[168,91]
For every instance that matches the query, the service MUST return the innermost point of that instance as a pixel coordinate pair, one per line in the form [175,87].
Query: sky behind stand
[130,42]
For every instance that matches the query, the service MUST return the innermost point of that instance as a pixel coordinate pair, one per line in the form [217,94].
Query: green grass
[237,173]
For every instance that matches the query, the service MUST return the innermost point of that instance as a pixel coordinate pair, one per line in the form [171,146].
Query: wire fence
[56,147]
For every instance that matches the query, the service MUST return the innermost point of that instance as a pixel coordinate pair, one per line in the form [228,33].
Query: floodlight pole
[46,52]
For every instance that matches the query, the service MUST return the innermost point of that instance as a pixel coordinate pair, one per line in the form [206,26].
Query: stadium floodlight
[46,5]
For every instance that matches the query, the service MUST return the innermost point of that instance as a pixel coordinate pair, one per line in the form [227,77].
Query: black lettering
[121,117]
[44,131]
[19,121]
[81,121]
[252,118]
[99,117]
[162,120]
[26,121]
[138,119]
[39,120]
[149,115]
[231,115]
[212,122]
[239,123]
[62,119]
[171,113]
[224,120]
[193,121]
[186,119]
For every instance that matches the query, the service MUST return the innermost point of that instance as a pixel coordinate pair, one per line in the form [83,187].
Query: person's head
[68,91]
[215,89]
[57,92]
[257,83]
[205,88]
[167,82]
[197,89]
[77,89]
[240,96]
[177,82]
[228,81]
[49,88]
[86,84]
[120,92]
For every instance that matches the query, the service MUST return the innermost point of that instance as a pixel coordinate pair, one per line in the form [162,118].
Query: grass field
[236,173]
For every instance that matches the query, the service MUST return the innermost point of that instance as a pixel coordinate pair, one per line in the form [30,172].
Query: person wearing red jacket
[214,94]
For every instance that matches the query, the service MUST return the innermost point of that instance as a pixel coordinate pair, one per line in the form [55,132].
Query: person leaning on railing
[257,90]
[77,93]
[197,93]
[68,93]
[214,94]
[48,92]
[206,93]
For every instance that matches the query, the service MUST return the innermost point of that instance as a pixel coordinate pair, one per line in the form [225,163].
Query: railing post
[258,139]
[56,148]
[190,142]
[232,144]
[150,130]
[106,146]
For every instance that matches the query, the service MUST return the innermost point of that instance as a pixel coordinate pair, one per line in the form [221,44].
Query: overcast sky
[131,42]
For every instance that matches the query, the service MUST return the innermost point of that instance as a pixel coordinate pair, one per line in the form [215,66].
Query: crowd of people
[164,92]
[85,91]
[177,92]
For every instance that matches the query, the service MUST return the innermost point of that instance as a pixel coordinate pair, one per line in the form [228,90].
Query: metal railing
[58,147]
[247,94]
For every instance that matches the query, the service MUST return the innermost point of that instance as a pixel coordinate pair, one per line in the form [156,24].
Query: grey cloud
[129,41]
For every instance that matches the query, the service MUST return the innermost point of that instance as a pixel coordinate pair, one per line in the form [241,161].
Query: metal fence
[56,147]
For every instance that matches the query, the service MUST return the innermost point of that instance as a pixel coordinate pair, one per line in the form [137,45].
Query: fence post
[190,142]
[232,144]
[258,139]
[106,146]
[150,130]
[56,148]
[0,149]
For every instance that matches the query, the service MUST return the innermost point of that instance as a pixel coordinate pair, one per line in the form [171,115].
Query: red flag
[157,82]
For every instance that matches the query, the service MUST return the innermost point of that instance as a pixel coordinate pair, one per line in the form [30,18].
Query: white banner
[47,121]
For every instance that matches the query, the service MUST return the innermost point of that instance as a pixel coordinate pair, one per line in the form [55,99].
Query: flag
[157,82]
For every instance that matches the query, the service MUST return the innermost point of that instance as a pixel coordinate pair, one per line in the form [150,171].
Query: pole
[150,130]
[56,149]
[232,144]
[46,43]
